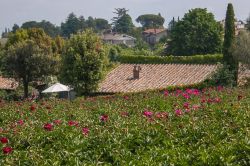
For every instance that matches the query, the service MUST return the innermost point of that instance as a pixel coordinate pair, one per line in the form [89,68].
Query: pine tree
[229,39]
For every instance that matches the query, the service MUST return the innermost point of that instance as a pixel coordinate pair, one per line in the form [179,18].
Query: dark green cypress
[229,39]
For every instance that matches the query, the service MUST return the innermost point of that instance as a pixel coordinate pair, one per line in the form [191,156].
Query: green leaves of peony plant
[83,62]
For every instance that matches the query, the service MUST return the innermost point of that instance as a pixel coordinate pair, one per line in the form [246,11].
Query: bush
[83,62]
[223,76]
[197,59]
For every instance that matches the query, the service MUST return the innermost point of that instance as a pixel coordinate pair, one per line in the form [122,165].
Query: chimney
[136,72]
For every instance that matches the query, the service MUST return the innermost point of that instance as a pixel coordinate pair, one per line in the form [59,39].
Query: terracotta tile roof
[8,84]
[154,76]
[154,31]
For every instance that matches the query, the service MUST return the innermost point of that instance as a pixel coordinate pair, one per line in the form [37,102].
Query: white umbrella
[57,88]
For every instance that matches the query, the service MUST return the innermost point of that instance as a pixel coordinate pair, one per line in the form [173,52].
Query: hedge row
[196,59]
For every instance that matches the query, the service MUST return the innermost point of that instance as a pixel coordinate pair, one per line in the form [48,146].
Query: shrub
[197,59]
[223,76]
[83,62]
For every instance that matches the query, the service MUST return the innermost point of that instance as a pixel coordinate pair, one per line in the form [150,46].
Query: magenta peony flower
[161,115]
[240,97]
[20,122]
[186,96]
[85,131]
[147,114]
[166,93]
[126,97]
[195,107]
[219,88]
[217,100]
[32,107]
[7,150]
[73,123]
[178,112]
[104,118]
[48,126]
[57,122]
[4,140]
[186,105]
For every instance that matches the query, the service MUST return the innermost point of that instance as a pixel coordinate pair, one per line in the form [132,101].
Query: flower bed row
[185,127]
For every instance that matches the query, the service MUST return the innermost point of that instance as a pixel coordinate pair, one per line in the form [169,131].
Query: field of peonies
[183,127]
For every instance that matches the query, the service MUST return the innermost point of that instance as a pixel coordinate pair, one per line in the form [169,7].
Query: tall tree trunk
[26,87]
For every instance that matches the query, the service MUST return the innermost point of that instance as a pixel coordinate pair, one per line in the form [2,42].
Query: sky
[56,11]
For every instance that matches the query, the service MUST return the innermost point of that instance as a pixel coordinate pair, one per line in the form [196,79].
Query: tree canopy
[248,23]
[83,62]
[229,39]
[73,24]
[29,56]
[122,23]
[241,49]
[151,21]
[47,26]
[197,33]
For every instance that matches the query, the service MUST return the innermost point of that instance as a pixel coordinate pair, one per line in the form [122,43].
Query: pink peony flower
[178,112]
[186,105]
[147,113]
[166,93]
[104,118]
[72,123]
[48,126]
[195,107]
[161,115]
[57,122]
[240,97]
[4,140]
[219,88]
[186,96]
[32,107]
[20,122]
[85,131]
[7,150]
[217,100]
[126,97]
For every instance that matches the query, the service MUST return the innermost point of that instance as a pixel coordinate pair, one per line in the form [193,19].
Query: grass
[208,127]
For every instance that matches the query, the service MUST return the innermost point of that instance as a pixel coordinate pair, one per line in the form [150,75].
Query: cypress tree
[229,39]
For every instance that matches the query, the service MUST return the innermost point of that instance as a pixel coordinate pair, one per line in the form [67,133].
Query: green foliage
[83,62]
[151,21]
[213,130]
[2,53]
[15,28]
[49,28]
[241,49]
[122,22]
[196,59]
[229,40]
[58,45]
[73,24]
[197,33]
[223,76]
[101,24]
[248,23]
[29,56]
